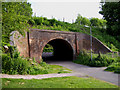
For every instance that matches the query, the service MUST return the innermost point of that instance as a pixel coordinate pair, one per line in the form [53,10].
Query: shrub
[101,60]
[14,65]
[97,60]
[19,65]
[117,70]
[114,67]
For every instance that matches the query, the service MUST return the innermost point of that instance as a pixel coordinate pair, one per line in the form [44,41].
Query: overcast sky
[67,9]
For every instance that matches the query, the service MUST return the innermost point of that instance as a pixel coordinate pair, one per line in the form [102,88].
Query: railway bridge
[67,45]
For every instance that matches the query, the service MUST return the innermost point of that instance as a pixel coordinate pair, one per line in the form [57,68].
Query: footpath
[42,76]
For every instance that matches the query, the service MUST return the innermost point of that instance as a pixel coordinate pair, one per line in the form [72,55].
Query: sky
[67,9]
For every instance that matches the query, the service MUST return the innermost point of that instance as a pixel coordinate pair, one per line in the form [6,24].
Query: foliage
[85,21]
[100,60]
[20,65]
[38,20]
[98,22]
[82,20]
[57,82]
[79,19]
[48,48]
[14,65]
[107,39]
[93,21]
[97,60]
[114,67]
[103,23]
[111,13]
[15,16]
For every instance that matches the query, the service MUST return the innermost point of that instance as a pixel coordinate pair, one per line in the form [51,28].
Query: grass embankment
[99,60]
[58,82]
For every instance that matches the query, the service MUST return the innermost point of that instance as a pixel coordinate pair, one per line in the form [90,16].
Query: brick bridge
[67,45]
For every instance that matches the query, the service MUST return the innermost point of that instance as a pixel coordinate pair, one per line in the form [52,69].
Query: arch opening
[60,50]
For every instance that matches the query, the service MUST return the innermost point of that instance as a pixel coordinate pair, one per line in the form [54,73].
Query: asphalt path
[96,72]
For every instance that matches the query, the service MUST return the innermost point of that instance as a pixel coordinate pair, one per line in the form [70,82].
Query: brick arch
[32,44]
[65,51]
[39,38]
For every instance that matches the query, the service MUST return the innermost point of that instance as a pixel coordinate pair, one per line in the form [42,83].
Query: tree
[82,20]
[111,13]
[95,22]
[98,22]
[15,16]
[79,19]
[85,21]
[103,23]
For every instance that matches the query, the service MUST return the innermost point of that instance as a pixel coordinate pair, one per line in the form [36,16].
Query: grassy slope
[59,82]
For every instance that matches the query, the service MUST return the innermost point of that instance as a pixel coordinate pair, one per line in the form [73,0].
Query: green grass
[58,69]
[0,83]
[58,82]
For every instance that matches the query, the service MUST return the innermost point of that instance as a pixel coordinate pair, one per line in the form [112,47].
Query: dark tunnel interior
[62,50]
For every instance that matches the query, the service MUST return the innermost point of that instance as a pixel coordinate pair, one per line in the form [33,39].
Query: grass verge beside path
[57,82]
[58,69]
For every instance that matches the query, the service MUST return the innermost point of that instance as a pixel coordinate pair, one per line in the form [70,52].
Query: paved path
[96,72]
[42,76]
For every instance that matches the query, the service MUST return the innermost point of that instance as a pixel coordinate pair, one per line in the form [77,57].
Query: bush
[19,65]
[97,60]
[117,70]
[83,58]
[114,67]
[14,65]
[101,61]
